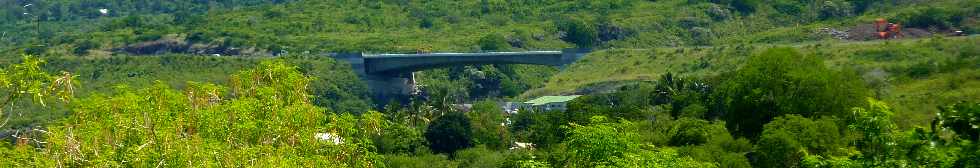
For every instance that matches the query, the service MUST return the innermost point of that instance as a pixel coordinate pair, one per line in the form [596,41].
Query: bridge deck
[464,54]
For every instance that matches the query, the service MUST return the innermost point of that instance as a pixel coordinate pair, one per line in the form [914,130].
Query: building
[511,107]
[549,103]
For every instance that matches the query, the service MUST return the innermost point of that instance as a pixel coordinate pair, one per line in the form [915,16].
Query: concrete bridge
[390,75]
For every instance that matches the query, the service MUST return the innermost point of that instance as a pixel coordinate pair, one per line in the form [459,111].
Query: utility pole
[37,25]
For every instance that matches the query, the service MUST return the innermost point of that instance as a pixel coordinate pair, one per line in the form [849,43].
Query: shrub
[787,139]
[743,6]
[83,47]
[426,22]
[598,143]
[962,119]
[449,133]
[578,32]
[930,17]
[480,157]
[486,118]
[694,111]
[689,131]
[419,161]
[493,42]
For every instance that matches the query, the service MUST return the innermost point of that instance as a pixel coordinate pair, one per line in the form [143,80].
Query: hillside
[917,75]
[407,26]
[671,83]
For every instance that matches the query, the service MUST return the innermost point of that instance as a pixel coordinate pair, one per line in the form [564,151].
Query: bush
[426,22]
[493,42]
[579,32]
[83,47]
[398,138]
[486,118]
[787,139]
[835,9]
[449,133]
[962,119]
[599,143]
[694,111]
[743,6]
[689,131]
[930,17]
[419,161]
[480,157]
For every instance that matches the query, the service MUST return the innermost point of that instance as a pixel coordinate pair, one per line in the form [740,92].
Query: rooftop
[551,99]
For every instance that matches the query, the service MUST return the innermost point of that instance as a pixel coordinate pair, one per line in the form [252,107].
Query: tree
[449,133]
[664,157]
[29,80]
[578,31]
[875,126]
[487,119]
[614,144]
[787,139]
[962,118]
[783,81]
[689,131]
[265,121]
[599,142]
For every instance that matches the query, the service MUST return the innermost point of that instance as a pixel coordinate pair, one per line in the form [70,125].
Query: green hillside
[670,83]
[916,75]
[405,26]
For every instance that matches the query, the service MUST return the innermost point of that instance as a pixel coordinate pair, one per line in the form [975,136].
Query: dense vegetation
[672,83]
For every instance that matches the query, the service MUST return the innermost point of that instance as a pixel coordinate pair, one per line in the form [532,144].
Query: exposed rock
[156,47]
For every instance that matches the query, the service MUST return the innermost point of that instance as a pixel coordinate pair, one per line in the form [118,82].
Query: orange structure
[887,30]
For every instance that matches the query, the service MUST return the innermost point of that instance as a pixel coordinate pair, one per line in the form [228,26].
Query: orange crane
[887,30]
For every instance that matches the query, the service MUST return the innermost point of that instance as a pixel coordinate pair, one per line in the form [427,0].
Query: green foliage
[493,42]
[599,142]
[419,161]
[688,131]
[930,17]
[720,148]
[487,119]
[694,111]
[28,80]
[660,158]
[743,6]
[532,164]
[613,144]
[397,138]
[480,157]
[266,121]
[578,31]
[269,116]
[783,81]
[787,139]
[962,119]
[84,46]
[543,129]
[449,133]
[876,129]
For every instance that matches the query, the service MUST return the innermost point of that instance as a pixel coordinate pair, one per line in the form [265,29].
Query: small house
[549,103]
